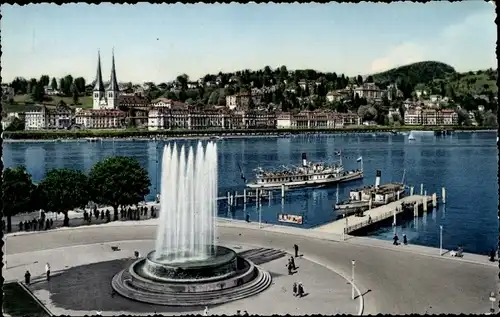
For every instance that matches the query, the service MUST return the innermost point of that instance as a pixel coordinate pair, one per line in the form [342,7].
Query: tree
[17,193]
[490,119]
[44,80]
[63,190]
[53,84]
[367,113]
[80,84]
[119,181]
[214,97]
[16,125]
[359,80]
[38,92]
[369,79]
[74,92]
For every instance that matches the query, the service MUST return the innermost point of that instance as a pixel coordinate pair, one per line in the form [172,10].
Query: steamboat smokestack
[304,160]
[377,178]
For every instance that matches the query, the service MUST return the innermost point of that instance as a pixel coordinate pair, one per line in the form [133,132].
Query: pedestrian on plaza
[34,223]
[40,224]
[96,213]
[492,255]
[289,268]
[51,223]
[27,277]
[300,290]
[294,289]
[115,215]
[102,214]
[85,216]
[47,224]
[396,239]
[47,270]
[292,263]
[296,249]
[245,313]
[238,312]
[205,311]
[405,240]
[21,225]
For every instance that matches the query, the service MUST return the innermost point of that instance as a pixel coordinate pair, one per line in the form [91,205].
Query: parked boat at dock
[368,197]
[310,174]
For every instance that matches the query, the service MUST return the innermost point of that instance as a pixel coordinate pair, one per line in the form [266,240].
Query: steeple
[113,83]
[99,86]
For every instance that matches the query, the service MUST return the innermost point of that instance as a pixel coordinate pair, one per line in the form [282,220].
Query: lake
[465,163]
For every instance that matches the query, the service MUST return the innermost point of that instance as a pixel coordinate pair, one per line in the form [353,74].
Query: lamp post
[440,240]
[346,226]
[353,262]
[492,300]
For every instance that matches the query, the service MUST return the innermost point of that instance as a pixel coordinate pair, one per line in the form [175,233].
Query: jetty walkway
[352,223]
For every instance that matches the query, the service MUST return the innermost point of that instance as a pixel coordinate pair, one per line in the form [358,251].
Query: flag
[359,159]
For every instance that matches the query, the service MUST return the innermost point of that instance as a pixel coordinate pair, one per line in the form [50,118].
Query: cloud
[466,46]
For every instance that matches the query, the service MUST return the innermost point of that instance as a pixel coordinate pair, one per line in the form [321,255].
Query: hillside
[413,74]
[482,82]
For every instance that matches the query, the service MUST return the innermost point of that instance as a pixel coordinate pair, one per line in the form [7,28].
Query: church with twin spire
[106,98]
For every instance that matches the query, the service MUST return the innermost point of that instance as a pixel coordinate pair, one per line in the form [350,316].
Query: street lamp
[346,226]
[440,240]
[353,262]
[492,300]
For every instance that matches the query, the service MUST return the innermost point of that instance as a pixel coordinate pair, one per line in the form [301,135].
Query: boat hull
[313,183]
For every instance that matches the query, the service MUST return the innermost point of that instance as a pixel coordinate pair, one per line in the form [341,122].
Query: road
[393,282]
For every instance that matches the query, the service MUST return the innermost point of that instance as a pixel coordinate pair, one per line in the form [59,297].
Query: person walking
[300,290]
[27,277]
[296,249]
[396,239]
[294,288]
[47,270]
[205,312]
[405,240]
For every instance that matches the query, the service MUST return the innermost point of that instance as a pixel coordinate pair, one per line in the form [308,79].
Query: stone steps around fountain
[261,282]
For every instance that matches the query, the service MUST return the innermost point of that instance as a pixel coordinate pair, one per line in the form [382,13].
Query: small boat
[411,137]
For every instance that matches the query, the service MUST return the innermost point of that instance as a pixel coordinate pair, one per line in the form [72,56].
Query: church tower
[99,96]
[113,91]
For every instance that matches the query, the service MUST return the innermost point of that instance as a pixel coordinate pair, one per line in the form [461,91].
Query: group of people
[125,214]
[27,275]
[36,224]
[298,289]
[396,239]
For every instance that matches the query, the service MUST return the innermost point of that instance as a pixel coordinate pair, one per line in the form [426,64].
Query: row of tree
[66,86]
[115,181]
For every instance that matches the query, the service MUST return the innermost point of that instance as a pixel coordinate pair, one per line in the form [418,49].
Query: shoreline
[127,135]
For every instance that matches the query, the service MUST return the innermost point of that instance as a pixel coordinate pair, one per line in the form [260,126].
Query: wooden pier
[349,224]
[234,198]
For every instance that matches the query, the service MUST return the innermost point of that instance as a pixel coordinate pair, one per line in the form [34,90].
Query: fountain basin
[219,279]
[221,262]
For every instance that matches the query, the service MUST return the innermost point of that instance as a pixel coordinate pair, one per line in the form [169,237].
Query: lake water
[465,163]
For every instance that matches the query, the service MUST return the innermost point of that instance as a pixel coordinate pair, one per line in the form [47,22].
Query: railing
[378,218]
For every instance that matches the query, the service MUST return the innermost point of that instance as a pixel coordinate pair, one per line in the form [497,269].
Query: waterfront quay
[373,217]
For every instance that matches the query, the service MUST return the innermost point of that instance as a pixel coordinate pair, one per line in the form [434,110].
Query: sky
[159,42]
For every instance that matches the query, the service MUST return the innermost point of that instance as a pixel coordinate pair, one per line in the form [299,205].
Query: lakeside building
[100,118]
[161,118]
[422,116]
[238,101]
[316,119]
[59,117]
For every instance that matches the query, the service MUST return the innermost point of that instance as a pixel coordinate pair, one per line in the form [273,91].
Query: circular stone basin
[220,262]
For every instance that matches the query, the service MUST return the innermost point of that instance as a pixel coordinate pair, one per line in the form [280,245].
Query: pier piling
[424,204]
[282,190]
[370,204]
[415,210]
[421,189]
[229,198]
[244,196]
[434,200]
[425,193]
[443,195]
[411,190]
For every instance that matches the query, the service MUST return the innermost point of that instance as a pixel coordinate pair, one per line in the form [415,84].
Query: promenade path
[376,214]
[392,279]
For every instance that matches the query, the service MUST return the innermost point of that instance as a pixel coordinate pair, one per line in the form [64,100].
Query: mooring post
[411,190]
[443,194]
[370,204]
[397,195]
[425,193]
[421,189]
[244,196]
[415,209]
[434,200]
[424,202]
[282,190]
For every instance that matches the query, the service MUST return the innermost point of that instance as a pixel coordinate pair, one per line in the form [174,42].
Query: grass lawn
[84,101]
[17,302]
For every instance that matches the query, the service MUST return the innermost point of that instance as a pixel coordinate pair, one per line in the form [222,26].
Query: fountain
[188,267]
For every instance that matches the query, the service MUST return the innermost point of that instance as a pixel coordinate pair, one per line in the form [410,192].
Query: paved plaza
[392,279]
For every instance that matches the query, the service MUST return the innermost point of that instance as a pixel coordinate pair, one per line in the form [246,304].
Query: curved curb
[241,224]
